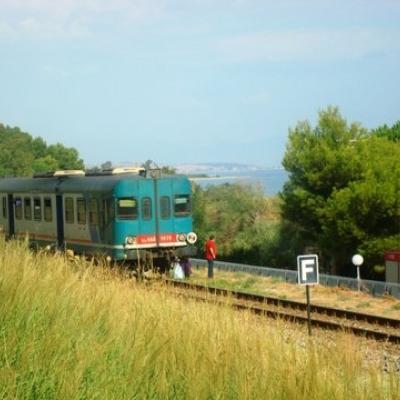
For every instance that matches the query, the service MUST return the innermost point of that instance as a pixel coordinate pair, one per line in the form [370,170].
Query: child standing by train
[187,266]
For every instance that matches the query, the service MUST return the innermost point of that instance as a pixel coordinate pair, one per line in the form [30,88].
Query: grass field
[78,331]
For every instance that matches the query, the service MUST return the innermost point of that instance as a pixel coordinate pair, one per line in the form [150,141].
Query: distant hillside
[218,168]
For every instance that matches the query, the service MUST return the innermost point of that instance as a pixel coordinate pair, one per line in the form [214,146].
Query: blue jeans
[210,268]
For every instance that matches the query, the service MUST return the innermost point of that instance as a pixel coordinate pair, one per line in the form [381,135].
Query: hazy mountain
[218,168]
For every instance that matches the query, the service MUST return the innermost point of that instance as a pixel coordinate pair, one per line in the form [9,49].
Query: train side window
[37,208]
[81,211]
[182,205]
[146,208]
[27,208]
[127,208]
[18,208]
[4,207]
[69,210]
[93,212]
[48,214]
[165,207]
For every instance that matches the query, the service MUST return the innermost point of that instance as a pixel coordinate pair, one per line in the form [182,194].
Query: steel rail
[333,312]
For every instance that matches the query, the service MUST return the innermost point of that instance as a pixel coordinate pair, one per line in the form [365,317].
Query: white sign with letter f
[307,269]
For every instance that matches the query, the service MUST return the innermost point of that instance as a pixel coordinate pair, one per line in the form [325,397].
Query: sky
[191,81]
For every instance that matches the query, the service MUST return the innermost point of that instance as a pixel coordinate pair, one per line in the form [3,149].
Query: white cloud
[59,7]
[74,18]
[308,45]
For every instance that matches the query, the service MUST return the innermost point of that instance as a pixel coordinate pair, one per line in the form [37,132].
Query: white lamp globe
[357,259]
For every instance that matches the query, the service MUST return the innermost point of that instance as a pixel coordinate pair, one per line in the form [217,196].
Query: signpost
[307,272]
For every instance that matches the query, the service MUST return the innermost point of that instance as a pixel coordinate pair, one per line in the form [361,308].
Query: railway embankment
[338,297]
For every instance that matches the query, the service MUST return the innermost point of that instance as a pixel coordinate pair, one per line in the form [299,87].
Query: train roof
[71,184]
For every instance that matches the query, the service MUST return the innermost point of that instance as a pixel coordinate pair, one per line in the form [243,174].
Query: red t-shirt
[210,248]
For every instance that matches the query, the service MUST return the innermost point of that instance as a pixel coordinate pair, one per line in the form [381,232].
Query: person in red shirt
[210,254]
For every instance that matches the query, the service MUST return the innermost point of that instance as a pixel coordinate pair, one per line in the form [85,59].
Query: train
[132,215]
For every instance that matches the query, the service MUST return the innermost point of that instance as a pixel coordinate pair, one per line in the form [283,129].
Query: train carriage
[126,214]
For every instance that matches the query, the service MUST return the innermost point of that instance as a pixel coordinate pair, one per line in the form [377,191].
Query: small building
[392,263]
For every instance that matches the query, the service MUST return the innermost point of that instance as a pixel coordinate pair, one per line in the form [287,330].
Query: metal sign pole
[307,273]
[308,309]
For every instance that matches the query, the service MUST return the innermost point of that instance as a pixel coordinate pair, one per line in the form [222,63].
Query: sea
[270,180]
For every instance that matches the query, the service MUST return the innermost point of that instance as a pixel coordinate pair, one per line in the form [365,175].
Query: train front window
[182,205]
[127,208]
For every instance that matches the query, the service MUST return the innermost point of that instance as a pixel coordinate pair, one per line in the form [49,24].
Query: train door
[76,232]
[106,220]
[165,199]
[60,220]
[148,226]
[11,223]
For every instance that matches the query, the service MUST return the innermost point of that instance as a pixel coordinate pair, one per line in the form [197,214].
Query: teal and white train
[124,214]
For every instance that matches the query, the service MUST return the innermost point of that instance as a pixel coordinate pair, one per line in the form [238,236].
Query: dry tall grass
[85,332]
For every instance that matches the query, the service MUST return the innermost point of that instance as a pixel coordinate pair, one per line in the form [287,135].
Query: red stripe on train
[162,238]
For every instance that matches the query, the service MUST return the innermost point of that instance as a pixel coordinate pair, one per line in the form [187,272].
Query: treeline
[148,164]
[342,197]
[23,155]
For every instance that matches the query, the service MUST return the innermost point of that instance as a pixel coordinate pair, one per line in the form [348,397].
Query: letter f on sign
[306,267]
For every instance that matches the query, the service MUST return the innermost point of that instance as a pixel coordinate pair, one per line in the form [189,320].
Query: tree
[392,133]
[366,214]
[343,189]
[106,165]
[167,170]
[16,154]
[44,164]
[148,164]
[67,157]
[23,155]
[239,216]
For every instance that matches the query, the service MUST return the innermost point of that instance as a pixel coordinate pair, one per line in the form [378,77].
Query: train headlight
[181,237]
[130,240]
[191,238]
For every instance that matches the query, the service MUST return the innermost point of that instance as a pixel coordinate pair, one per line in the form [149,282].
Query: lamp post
[357,260]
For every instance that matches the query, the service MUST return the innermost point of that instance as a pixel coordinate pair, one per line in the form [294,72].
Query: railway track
[361,324]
